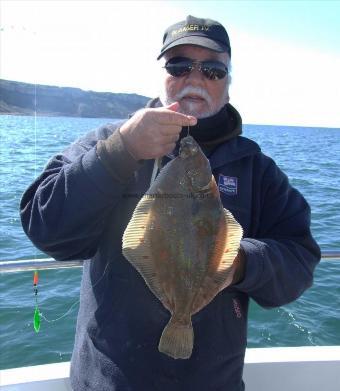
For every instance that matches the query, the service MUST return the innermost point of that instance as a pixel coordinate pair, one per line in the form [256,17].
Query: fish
[183,242]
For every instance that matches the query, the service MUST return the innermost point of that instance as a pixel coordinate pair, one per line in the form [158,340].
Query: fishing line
[35,130]
[38,315]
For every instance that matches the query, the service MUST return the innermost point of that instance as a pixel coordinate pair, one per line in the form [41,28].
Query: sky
[285,54]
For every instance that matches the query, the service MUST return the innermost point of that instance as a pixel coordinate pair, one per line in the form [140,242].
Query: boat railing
[22,265]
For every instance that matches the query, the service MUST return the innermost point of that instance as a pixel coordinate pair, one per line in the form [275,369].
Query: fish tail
[177,339]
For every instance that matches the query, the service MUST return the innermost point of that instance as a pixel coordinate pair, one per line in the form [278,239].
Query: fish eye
[184,153]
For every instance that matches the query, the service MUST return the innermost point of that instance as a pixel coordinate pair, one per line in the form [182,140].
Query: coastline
[18,98]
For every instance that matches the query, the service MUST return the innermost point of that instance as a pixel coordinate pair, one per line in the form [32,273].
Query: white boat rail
[307,368]
[22,265]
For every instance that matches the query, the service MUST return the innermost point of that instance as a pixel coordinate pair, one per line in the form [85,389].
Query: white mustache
[197,91]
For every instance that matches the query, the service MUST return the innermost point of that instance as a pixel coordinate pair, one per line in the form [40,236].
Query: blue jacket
[77,209]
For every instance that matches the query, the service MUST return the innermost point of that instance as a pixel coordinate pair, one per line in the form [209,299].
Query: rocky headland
[29,99]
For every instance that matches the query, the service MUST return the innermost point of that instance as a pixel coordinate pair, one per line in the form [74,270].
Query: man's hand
[152,133]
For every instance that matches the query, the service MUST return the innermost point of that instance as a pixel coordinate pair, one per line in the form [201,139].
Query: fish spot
[192,173]
[163,254]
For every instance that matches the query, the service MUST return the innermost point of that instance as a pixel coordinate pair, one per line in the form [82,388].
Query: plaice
[183,243]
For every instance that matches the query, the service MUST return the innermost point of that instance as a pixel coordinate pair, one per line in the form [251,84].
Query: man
[80,205]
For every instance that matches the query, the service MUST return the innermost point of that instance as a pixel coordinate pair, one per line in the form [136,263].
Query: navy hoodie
[78,209]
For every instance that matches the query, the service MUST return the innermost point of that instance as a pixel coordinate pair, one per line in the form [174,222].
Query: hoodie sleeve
[282,255]
[65,210]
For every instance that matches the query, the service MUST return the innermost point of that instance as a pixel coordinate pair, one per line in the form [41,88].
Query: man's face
[196,94]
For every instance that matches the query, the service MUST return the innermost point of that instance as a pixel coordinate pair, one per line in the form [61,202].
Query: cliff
[24,99]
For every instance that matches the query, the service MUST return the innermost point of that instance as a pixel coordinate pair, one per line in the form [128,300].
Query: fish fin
[231,247]
[136,247]
[218,279]
[177,340]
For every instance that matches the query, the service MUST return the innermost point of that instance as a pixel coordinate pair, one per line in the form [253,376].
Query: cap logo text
[190,27]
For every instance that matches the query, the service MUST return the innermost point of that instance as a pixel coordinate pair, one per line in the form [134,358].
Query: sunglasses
[182,66]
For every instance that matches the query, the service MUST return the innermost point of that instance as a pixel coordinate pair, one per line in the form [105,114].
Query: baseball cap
[206,33]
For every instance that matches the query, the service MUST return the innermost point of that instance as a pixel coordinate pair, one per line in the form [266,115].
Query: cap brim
[197,40]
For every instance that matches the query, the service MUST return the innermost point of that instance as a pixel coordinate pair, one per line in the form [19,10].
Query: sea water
[309,156]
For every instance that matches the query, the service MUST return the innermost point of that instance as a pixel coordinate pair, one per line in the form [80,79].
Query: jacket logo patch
[227,185]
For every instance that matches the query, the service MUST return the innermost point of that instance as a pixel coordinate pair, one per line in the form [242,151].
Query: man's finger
[167,116]
[173,106]
[169,130]
[170,138]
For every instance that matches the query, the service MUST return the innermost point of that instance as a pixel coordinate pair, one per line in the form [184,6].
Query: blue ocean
[309,156]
